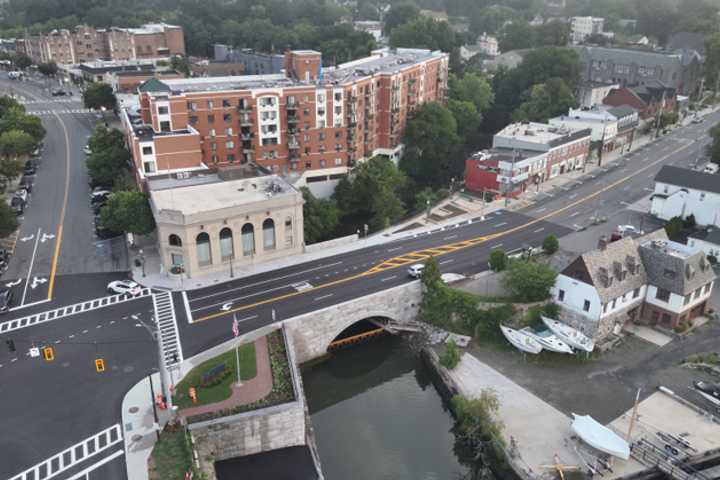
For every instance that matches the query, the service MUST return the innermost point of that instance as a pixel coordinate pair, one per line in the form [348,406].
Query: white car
[628,229]
[87,150]
[696,119]
[415,270]
[124,287]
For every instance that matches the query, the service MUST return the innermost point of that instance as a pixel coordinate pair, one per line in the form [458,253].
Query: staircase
[653,456]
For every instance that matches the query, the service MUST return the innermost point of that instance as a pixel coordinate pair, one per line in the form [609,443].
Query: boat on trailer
[548,340]
[569,335]
[521,341]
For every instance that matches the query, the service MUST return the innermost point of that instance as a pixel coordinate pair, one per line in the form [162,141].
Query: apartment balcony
[294,157]
[246,121]
[352,121]
[246,145]
[244,107]
[292,119]
[247,136]
[291,106]
[292,130]
[293,144]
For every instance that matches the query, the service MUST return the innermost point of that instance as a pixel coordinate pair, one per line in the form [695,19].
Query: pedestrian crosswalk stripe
[70,457]
[52,112]
[42,317]
[167,326]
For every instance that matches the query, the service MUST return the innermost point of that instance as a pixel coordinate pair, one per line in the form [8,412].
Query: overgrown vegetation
[529,280]
[451,356]
[550,244]
[498,260]
[478,418]
[711,358]
[171,456]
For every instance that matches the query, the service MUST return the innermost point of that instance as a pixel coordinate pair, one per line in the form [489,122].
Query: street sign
[99,365]
[34,352]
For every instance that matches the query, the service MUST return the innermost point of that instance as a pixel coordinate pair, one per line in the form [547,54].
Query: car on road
[6,297]
[124,287]
[22,194]
[30,168]
[711,168]
[416,270]
[17,205]
[26,182]
[696,119]
[628,229]
[58,93]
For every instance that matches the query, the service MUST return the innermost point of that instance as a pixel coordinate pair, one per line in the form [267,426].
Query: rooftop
[193,198]
[684,177]
[382,61]
[235,82]
[710,235]
[148,28]
[628,55]
[542,133]
[674,267]
[621,111]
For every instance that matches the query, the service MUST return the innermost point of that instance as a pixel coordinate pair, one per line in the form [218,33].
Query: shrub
[682,327]
[550,245]
[674,227]
[551,310]
[529,280]
[498,260]
[689,221]
[451,357]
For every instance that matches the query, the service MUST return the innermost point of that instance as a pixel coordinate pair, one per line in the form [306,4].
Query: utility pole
[509,185]
[659,115]
[602,145]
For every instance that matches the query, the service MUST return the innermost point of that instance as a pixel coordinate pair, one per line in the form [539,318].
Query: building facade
[602,124]
[254,63]
[309,124]
[681,192]
[583,27]
[647,100]
[592,94]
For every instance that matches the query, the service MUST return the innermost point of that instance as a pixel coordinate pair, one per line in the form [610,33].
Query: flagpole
[236,333]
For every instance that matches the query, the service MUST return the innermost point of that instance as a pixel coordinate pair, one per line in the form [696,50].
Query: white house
[681,192]
[707,241]
[648,279]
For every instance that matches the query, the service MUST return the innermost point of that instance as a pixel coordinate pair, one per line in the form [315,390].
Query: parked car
[100,197]
[87,150]
[97,206]
[6,297]
[697,119]
[58,93]
[36,152]
[711,168]
[29,169]
[415,270]
[26,182]
[17,205]
[21,193]
[124,287]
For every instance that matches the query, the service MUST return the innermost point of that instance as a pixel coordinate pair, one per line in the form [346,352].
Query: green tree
[674,228]
[712,62]
[48,68]
[529,280]
[106,166]
[98,95]
[490,19]
[550,244]
[552,34]
[104,138]
[22,61]
[714,147]
[399,14]
[451,356]
[516,35]
[424,32]
[430,276]
[431,141]
[546,100]
[498,260]
[8,103]
[320,217]
[668,118]
[8,220]
[478,418]
[467,119]
[10,168]
[16,143]
[17,119]
[472,88]
[128,211]
[180,65]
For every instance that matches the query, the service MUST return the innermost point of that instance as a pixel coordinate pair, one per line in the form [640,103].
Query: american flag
[235,327]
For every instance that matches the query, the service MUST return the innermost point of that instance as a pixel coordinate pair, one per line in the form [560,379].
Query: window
[229,131]
[210,104]
[338,96]
[230,145]
[306,112]
[707,287]
[667,273]
[322,136]
[605,305]
[686,300]
[227,118]
[162,110]
[174,240]
[193,119]
[204,254]
[308,164]
[269,234]
[231,158]
[614,302]
[211,118]
[338,134]
[165,126]
[211,132]
[698,292]
[248,239]
[306,126]
[213,146]
[636,293]
[586,306]
[662,295]
[561,295]
[322,163]
[192,106]
[338,162]
[147,150]
[176,259]
[226,103]
[149,167]
[306,98]
[288,233]
[226,244]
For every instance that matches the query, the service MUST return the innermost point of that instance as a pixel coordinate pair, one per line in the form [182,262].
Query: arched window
[248,239]
[226,244]
[203,249]
[174,240]
[269,234]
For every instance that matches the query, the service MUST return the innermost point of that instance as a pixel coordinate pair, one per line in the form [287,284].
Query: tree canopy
[99,95]
[320,217]
[108,162]
[529,280]
[424,32]
[128,211]
[546,100]
[399,14]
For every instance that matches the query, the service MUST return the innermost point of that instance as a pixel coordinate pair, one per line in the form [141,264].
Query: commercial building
[309,124]
[372,27]
[583,27]
[602,124]
[125,76]
[222,223]
[628,119]
[647,279]
[681,192]
[525,154]
[646,99]
[86,44]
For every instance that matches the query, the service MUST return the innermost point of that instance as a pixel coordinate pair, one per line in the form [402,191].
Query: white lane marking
[323,297]
[540,210]
[539,230]
[450,237]
[28,305]
[393,249]
[164,307]
[32,261]
[449,260]
[388,278]
[188,312]
[574,214]
[496,246]
[225,292]
[70,457]
[230,301]
[95,466]
[500,224]
[247,318]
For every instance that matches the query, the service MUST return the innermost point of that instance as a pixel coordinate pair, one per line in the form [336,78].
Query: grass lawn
[170,456]
[221,391]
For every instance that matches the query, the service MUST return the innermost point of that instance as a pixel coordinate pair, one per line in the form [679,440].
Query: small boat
[569,335]
[709,391]
[600,437]
[521,341]
[548,340]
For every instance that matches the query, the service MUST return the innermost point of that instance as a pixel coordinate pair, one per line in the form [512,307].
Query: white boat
[569,335]
[548,340]
[600,437]
[521,341]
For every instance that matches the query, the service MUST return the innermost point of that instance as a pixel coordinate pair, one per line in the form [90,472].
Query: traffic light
[99,365]
[10,344]
[48,354]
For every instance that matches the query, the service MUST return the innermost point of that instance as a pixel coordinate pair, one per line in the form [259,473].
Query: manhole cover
[134,409]
[136,438]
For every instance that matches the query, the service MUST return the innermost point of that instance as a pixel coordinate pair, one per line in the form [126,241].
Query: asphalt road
[56,404]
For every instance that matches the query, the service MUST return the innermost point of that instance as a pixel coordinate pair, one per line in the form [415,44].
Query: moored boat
[521,341]
[548,340]
[569,335]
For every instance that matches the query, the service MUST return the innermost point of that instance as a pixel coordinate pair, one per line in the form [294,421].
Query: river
[377,416]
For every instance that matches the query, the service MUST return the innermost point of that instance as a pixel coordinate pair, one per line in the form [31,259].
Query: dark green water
[377,416]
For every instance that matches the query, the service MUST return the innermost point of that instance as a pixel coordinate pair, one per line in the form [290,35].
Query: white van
[711,168]
[415,270]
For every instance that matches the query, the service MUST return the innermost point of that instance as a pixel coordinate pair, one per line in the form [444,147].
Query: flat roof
[542,133]
[383,61]
[194,199]
[234,82]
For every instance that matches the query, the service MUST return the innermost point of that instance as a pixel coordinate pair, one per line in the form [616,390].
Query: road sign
[34,352]
[48,354]
[99,365]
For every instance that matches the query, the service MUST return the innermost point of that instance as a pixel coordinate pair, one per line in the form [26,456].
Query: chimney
[602,242]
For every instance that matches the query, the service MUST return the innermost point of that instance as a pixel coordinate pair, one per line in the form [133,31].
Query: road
[57,404]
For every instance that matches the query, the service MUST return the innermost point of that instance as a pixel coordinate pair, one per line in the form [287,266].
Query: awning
[600,437]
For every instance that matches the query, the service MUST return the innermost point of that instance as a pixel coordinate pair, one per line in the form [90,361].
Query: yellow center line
[391,263]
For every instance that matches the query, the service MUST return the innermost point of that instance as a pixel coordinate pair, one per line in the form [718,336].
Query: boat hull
[569,335]
[521,341]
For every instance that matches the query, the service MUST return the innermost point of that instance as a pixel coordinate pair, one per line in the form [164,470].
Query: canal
[377,415]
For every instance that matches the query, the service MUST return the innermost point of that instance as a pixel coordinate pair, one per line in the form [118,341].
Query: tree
[674,227]
[15,143]
[473,88]
[104,138]
[550,244]
[431,140]
[498,260]
[552,33]
[128,211]
[477,418]
[48,68]
[424,32]
[529,280]
[9,103]
[668,118]
[98,95]
[8,220]
[10,168]
[690,221]
[546,100]
[180,64]
[22,61]
[467,119]
[320,217]
[430,276]
[106,166]
[516,35]
[451,356]
[17,119]
[399,14]
[712,61]
[490,19]
[714,147]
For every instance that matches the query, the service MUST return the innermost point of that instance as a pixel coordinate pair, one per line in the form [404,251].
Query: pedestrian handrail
[66,311]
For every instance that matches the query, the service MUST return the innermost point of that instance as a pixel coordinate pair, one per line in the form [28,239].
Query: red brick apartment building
[310,123]
[85,44]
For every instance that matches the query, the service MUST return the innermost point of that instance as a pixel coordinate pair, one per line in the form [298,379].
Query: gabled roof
[684,177]
[629,56]
[153,85]
[621,111]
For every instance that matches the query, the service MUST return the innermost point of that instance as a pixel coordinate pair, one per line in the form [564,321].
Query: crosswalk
[74,455]
[61,112]
[23,101]
[167,325]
